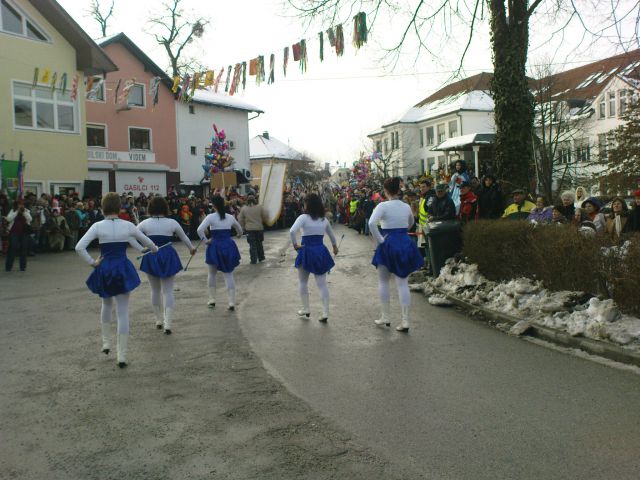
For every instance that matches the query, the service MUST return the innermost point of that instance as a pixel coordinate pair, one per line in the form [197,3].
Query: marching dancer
[222,252]
[313,256]
[114,276]
[396,253]
[162,267]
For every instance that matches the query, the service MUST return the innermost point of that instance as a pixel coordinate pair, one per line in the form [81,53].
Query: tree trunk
[512,97]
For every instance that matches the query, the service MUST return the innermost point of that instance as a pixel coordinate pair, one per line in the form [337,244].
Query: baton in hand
[191,257]
[147,253]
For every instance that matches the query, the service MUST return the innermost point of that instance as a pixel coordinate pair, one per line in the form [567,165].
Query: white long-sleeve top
[11,217]
[309,226]
[214,222]
[166,227]
[390,214]
[113,230]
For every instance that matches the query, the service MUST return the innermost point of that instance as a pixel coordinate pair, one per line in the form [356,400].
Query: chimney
[265,135]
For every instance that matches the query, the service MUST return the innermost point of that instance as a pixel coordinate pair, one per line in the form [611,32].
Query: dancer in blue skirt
[313,256]
[222,252]
[396,253]
[162,267]
[114,276]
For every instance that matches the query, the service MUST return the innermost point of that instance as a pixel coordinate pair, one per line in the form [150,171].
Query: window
[96,92]
[431,161]
[612,104]
[12,20]
[139,139]
[379,146]
[422,165]
[43,109]
[397,140]
[583,152]
[386,145]
[96,136]
[453,128]
[442,136]
[136,96]
[421,138]
[624,101]
[193,151]
[602,146]
[430,136]
[602,108]
[565,152]
[192,109]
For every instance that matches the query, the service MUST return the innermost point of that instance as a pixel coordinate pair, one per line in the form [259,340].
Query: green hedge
[558,255]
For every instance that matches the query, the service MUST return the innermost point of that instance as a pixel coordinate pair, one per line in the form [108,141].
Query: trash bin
[444,240]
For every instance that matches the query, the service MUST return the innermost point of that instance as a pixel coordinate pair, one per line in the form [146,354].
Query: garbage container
[444,240]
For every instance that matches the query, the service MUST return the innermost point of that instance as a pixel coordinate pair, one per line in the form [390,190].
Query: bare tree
[434,25]
[561,127]
[175,30]
[95,12]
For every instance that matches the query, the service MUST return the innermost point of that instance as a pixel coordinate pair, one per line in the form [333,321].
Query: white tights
[162,291]
[321,282]
[122,311]
[228,278]
[402,284]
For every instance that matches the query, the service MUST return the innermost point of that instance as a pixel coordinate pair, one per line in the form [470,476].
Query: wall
[161,119]
[197,130]
[52,158]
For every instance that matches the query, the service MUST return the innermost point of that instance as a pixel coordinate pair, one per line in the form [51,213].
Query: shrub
[558,255]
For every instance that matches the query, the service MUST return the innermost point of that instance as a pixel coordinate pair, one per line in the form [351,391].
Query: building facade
[195,122]
[265,149]
[45,58]
[132,142]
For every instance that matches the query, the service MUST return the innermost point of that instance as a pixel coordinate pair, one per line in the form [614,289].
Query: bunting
[54,79]
[285,54]
[272,66]
[339,41]
[63,83]
[360,30]
[74,88]
[226,87]
[303,56]
[244,75]
[154,85]
[115,96]
[36,75]
[321,40]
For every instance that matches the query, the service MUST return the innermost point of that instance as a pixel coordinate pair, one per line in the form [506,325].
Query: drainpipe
[253,117]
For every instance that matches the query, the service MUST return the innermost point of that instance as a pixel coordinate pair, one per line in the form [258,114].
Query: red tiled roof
[586,82]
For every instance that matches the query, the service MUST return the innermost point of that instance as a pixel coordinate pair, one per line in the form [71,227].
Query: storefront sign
[141,182]
[111,156]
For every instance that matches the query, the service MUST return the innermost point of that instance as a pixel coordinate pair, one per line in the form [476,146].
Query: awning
[465,142]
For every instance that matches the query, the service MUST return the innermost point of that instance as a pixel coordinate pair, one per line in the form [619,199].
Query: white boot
[157,311]
[325,310]
[384,315]
[168,316]
[304,309]
[122,349]
[231,293]
[212,297]
[404,324]
[106,346]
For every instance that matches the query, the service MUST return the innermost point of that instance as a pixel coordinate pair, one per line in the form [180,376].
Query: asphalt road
[453,399]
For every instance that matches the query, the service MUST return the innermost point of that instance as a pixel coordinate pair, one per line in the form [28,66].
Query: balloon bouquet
[218,158]
[360,173]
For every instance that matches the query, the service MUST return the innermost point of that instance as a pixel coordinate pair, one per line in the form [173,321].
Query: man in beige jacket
[251,217]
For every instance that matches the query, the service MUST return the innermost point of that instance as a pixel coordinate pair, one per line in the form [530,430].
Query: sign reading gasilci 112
[111,156]
[141,182]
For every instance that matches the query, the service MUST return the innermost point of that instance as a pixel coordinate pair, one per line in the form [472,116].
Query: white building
[457,110]
[195,131]
[265,149]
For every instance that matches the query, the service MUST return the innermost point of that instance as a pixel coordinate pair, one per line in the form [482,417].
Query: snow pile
[440,301]
[574,312]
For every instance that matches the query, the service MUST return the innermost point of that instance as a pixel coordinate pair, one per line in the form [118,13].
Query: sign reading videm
[141,182]
[111,156]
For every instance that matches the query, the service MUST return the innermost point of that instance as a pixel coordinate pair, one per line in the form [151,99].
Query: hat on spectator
[593,201]
[517,190]
[636,193]
[465,184]
[441,187]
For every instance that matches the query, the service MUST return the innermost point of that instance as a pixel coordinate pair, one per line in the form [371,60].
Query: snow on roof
[475,100]
[261,147]
[379,131]
[223,100]
[468,140]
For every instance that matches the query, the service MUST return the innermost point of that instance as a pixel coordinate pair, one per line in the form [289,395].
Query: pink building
[132,144]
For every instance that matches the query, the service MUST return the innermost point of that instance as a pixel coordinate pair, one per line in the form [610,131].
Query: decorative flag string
[303,56]
[331,36]
[63,83]
[115,97]
[321,39]
[36,75]
[360,30]
[272,66]
[74,88]
[286,60]
[154,85]
[46,74]
[226,86]
[339,41]
[54,79]
[244,76]
[194,84]
[218,78]
[208,78]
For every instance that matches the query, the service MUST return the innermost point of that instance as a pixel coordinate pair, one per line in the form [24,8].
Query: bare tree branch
[98,16]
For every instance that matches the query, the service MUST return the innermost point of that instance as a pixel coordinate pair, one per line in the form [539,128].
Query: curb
[595,347]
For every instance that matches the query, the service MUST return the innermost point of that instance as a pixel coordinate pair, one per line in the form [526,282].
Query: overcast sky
[328,111]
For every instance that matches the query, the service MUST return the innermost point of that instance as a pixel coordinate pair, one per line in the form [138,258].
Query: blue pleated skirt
[165,263]
[314,257]
[223,252]
[116,274]
[398,253]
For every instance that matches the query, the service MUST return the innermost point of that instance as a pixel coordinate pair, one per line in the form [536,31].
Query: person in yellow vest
[520,208]
[426,195]
[353,208]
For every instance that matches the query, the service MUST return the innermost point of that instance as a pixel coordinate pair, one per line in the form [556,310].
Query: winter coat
[538,215]
[442,209]
[11,217]
[490,201]
[251,218]
[468,207]
[611,229]
[518,211]
[633,221]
